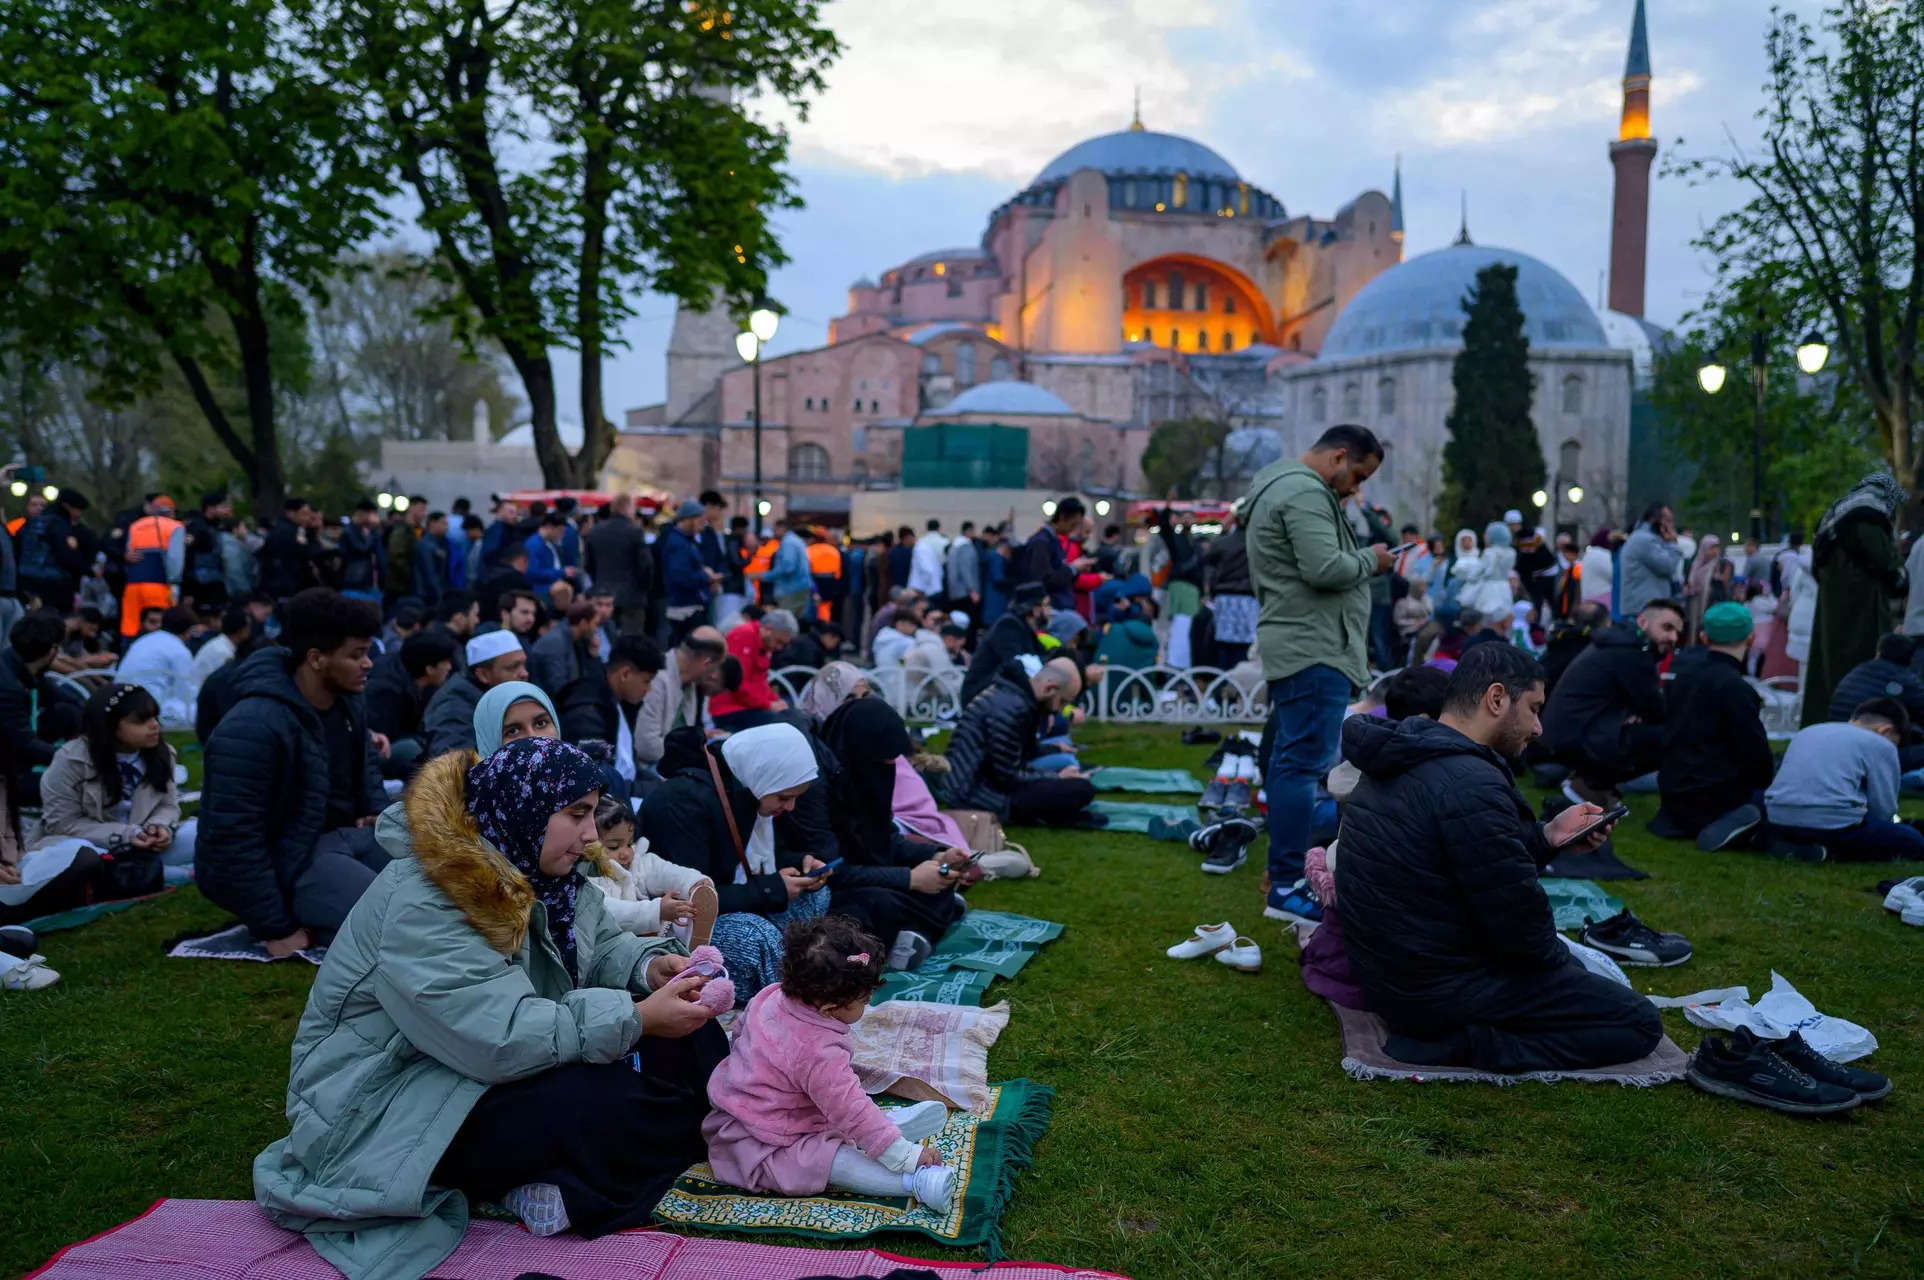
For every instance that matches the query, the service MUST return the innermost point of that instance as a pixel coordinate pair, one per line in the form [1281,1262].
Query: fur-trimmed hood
[494,897]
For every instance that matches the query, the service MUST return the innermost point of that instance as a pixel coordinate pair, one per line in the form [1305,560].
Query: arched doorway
[1193,304]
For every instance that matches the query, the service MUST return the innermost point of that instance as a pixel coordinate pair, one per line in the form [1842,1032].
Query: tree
[167,164]
[1834,228]
[568,154]
[1493,460]
[1180,453]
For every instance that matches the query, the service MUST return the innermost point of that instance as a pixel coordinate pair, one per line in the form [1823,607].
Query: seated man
[1716,757]
[1008,638]
[1836,794]
[1569,638]
[1605,720]
[988,754]
[288,801]
[673,698]
[1888,675]
[398,692]
[29,704]
[630,672]
[751,643]
[566,663]
[161,663]
[494,657]
[1445,925]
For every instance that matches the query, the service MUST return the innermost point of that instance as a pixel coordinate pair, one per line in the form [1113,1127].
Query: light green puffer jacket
[443,981]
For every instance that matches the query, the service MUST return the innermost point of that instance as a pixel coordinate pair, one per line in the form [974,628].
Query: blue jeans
[1306,723]
[1052,762]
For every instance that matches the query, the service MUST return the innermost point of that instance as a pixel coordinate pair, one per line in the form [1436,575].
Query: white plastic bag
[1595,961]
[1782,1010]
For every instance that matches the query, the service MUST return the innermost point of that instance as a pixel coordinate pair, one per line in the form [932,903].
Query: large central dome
[1139,151]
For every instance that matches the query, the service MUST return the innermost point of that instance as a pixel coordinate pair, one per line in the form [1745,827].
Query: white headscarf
[767,759]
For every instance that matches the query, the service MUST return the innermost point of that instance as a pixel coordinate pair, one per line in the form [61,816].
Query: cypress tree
[1493,460]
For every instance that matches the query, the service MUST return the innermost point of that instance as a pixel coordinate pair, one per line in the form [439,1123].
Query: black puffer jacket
[1715,742]
[1878,678]
[1615,678]
[988,756]
[1437,878]
[684,823]
[1226,566]
[395,704]
[1008,638]
[263,803]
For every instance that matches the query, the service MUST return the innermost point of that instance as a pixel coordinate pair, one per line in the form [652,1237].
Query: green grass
[1202,1124]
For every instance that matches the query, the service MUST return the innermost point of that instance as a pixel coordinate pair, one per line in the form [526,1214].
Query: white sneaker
[923,1120]
[31,974]
[538,1205]
[1207,940]
[1905,896]
[1242,954]
[932,1184]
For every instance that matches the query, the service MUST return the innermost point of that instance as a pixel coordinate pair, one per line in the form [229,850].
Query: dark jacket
[431,560]
[499,582]
[989,753]
[1714,745]
[18,690]
[683,822]
[448,722]
[264,798]
[572,674]
[42,554]
[1041,560]
[617,557]
[1007,638]
[818,824]
[1226,566]
[683,578]
[1612,680]
[1859,568]
[286,562]
[395,704]
[400,544]
[1566,643]
[1441,855]
[204,572]
[1878,678]
[361,558]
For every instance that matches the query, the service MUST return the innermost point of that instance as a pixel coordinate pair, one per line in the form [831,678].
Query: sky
[939,110]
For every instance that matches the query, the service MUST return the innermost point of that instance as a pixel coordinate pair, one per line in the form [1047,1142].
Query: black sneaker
[1749,1070]
[1235,796]
[1228,845]
[1796,850]
[1199,736]
[1867,1085]
[1633,942]
[18,941]
[1203,839]
[1730,828]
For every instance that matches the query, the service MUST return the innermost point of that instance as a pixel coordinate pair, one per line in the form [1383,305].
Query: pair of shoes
[1633,942]
[1732,827]
[1223,942]
[33,975]
[1214,795]
[1293,903]
[1906,898]
[909,950]
[538,1205]
[1796,850]
[1784,1075]
[1228,845]
[932,1184]
[18,941]
[1198,736]
[1203,839]
[1581,792]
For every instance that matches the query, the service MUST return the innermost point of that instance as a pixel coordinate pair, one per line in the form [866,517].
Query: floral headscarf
[511,795]
[829,688]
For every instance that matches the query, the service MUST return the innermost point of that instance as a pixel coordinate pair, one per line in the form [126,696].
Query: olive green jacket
[1312,579]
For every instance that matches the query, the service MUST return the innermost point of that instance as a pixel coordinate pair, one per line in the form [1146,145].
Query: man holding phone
[1447,929]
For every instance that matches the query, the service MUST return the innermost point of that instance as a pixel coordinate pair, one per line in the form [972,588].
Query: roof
[948,255]
[1638,63]
[925,334]
[1008,397]
[1418,305]
[1139,151]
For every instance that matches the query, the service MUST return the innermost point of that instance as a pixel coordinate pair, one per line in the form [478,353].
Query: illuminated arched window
[1202,339]
[1319,405]
[1573,393]
[1149,294]
[1179,194]
[1352,400]
[1386,396]
[1175,291]
[965,364]
[1229,304]
[808,462]
[1229,340]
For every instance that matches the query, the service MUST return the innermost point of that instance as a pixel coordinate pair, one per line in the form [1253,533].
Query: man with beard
[1605,719]
[1446,927]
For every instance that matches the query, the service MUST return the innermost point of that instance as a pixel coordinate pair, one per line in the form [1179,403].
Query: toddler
[645,893]
[790,1117]
[1413,611]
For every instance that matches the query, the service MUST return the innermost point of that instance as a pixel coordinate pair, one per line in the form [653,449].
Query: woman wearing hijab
[1707,583]
[482,1030]
[717,816]
[1859,569]
[830,687]
[511,711]
[1599,565]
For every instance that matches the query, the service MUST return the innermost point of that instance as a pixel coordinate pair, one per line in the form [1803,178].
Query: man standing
[1312,585]
[788,577]
[361,553]
[825,572]
[156,558]
[672,699]
[51,560]
[1651,564]
[686,581]
[545,564]
[711,540]
[403,564]
[494,657]
[205,580]
[1042,559]
[617,557]
[963,580]
[287,559]
[432,559]
[500,535]
[927,561]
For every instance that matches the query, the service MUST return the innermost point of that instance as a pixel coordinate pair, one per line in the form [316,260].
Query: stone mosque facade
[1141,277]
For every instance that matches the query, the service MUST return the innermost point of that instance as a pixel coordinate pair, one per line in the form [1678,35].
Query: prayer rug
[1111,777]
[1601,863]
[997,942]
[1364,1059]
[74,917]
[233,1240]
[1572,900]
[1126,815]
[918,1050]
[986,1148]
[934,986]
[234,943]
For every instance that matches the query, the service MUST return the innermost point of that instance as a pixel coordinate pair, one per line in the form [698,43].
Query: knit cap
[1726,622]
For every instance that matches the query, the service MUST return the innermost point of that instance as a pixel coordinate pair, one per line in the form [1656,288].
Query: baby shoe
[718,996]
[1207,940]
[1242,954]
[538,1205]
[932,1184]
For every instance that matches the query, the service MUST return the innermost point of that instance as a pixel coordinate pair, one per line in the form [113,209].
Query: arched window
[965,364]
[1319,405]
[1202,339]
[1149,333]
[1229,304]
[808,462]
[1386,396]
[1175,291]
[809,402]
[1229,340]
[1149,294]
[1352,400]
[999,369]
[1202,296]
[1175,339]
[875,406]
[1573,393]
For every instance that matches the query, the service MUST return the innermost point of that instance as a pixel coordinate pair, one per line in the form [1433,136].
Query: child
[1763,624]
[645,893]
[1412,611]
[790,1117]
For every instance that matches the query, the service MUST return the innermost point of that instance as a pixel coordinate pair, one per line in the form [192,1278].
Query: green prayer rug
[1110,777]
[1572,900]
[982,945]
[1126,815]
[934,986]
[987,1150]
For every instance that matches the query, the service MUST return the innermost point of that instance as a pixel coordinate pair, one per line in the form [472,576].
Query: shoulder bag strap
[728,811]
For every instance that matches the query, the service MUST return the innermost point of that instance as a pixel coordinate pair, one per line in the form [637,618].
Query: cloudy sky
[941,109]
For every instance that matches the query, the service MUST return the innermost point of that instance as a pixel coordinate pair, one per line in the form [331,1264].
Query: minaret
[1631,155]
[1396,210]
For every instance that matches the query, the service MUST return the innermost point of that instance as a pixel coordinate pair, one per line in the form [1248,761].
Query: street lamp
[385,501]
[1102,506]
[19,488]
[1049,508]
[400,502]
[1711,378]
[1539,499]
[1813,353]
[50,492]
[1575,494]
[762,323]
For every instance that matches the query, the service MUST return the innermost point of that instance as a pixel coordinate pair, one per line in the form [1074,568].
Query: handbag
[728,812]
[1001,858]
[126,872]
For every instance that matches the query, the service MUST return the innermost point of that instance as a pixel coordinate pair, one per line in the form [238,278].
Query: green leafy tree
[1834,227]
[178,178]
[569,154]
[1181,453]
[1493,460]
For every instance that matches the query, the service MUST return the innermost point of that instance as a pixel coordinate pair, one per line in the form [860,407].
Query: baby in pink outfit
[790,1116]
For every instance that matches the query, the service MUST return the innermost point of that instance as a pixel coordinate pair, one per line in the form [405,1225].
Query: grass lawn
[1202,1127]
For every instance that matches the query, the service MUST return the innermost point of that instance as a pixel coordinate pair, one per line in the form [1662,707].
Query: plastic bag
[1595,961]
[1780,1011]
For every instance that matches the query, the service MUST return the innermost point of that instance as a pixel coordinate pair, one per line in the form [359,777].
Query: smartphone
[1601,820]
[976,857]
[827,867]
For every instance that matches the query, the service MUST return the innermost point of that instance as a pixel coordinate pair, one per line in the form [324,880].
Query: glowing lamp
[764,507]
[1049,508]
[1102,506]
[400,502]
[19,488]
[1539,499]
[1735,537]
[762,323]
[1711,378]
[385,501]
[746,345]
[1813,353]
[1575,494]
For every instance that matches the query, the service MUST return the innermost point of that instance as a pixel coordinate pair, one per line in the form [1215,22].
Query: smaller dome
[1008,397]
[929,331]
[863,282]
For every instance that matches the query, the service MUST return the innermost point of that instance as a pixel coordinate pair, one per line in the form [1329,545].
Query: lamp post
[1564,484]
[762,322]
[1813,353]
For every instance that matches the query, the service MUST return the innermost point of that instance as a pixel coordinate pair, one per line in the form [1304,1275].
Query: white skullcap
[490,645]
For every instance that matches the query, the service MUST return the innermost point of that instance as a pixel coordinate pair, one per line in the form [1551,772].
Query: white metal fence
[1159,694]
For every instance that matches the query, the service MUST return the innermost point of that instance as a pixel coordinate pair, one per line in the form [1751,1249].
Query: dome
[1419,305]
[1008,397]
[1643,340]
[1138,151]
[922,336]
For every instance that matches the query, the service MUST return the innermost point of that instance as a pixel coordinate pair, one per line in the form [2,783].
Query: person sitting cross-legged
[1716,757]
[494,657]
[1836,793]
[1888,675]
[988,755]
[1605,719]
[1446,927]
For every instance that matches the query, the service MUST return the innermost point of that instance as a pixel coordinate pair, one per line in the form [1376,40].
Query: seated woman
[50,879]
[481,1029]
[115,784]
[512,711]
[914,804]
[716,814]
[834,684]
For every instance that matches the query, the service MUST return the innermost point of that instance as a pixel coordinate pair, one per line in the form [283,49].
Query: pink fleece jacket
[786,1096]
[914,805]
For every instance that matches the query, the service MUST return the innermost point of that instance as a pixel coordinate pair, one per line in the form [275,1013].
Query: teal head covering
[493,708]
